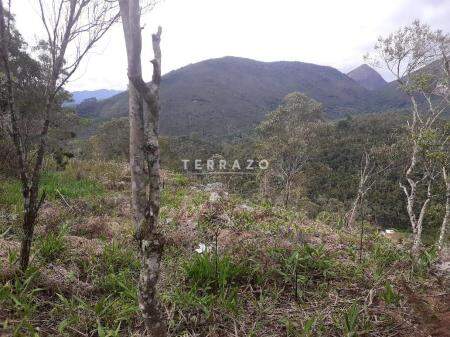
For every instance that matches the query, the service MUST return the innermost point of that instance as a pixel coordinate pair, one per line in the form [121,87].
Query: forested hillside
[80,96]
[228,95]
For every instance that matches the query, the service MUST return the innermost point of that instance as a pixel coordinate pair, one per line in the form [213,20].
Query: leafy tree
[284,138]
[78,23]
[112,139]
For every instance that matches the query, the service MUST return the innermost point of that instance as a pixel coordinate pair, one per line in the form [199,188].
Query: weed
[426,260]
[106,332]
[51,246]
[211,281]
[350,320]
[304,266]
[116,258]
[20,295]
[389,295]
[208,272]
[384,254]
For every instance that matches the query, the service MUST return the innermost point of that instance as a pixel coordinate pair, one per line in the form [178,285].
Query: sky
[335,33]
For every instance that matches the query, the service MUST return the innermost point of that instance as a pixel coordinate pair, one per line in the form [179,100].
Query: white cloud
[328,32]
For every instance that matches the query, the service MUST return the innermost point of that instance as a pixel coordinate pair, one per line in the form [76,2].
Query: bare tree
[370,169]
[365,173]
[405,53]
[144,110]
[72,27]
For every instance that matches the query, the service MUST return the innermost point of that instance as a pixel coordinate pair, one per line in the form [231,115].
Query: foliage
[112,140]
[284,138]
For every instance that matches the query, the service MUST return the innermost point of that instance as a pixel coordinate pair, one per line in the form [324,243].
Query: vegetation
[274,270]
[343,231]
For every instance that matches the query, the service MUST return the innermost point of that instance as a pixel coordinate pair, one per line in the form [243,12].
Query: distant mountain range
[367,77]
[229,95]
[80,96]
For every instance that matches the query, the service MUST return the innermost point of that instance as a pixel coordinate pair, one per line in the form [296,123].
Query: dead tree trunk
[144,109]
[287,191]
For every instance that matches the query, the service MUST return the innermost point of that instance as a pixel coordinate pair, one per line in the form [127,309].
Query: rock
[213,187]
[394,236]
[243,208]
[214,197]
[224,218]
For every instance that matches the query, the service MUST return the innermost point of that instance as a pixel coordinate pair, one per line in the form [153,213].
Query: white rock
[244,208]
[214,187]
[214,197]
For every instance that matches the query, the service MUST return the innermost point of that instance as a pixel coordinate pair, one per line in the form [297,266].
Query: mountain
[230,94]
[80,96]
[367,77]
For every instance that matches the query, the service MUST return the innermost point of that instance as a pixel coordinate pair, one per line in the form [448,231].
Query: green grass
[19,297]
[51,246]
[210,282]
[304,267]
[51,182]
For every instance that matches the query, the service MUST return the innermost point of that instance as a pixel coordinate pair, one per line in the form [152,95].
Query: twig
[63,199]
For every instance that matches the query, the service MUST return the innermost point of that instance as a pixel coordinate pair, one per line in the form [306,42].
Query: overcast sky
[328,32]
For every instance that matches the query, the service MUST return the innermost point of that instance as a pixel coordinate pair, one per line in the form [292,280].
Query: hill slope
[228,95]
[367,77]
[80,96]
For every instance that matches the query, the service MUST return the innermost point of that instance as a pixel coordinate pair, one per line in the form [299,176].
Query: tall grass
[52,183]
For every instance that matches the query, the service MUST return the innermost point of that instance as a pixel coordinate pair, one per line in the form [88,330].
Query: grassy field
[263,271]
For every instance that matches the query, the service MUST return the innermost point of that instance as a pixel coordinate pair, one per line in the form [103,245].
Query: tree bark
[144,109]
[287,191]
[352,213]
[442,233]
[417,224]
[411,193]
